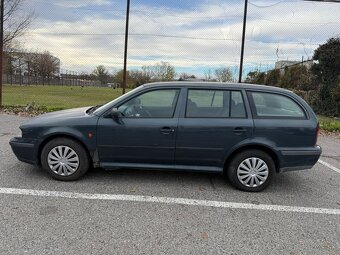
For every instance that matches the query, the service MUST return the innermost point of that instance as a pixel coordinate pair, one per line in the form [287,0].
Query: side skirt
[114,166]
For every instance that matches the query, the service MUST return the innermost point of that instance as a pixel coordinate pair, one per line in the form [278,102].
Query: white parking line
[329,166]
[168,200]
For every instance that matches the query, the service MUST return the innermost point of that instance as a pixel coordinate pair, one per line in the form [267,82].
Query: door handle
[239,130]
[167,130]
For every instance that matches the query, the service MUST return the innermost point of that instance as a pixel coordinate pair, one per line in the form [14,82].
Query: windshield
[101,109]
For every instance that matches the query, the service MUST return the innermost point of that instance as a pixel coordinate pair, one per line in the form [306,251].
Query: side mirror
[115,114]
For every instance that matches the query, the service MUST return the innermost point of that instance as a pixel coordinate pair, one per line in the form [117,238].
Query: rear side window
[215,104]
[267,105]
[237,109]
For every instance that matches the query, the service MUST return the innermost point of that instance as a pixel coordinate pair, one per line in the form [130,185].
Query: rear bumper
[306,158]
[25,149]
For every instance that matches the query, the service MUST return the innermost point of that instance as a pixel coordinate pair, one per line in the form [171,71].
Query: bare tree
[164,71]
[101,73]
[186,76]
[139,77]
[208,75]
[223,74]
[16,22]
[148,72]
[41,64]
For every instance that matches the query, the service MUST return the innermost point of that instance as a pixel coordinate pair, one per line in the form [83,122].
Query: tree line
[31,63]
[162,71]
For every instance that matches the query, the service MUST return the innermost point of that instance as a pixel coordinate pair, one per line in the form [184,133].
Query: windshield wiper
[92,109]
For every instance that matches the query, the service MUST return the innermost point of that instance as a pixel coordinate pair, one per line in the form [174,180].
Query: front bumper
[25,149]
[305,158]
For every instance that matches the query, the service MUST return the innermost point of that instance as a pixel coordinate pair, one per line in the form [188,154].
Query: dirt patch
[335,134]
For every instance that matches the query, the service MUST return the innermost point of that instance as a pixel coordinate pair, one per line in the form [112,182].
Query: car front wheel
[65,159]
[251,170]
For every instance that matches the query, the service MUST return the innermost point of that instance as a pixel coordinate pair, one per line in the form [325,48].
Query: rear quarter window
[271,105]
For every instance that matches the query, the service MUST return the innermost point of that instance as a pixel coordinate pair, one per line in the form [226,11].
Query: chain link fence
[194,39]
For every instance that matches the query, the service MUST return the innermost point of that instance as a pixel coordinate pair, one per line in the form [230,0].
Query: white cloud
[80,3]
[286,31]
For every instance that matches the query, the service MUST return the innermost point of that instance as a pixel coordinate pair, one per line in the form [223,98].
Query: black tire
[232,169]
[83,158]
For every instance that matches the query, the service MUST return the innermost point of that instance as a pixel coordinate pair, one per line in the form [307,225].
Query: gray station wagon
[247,132]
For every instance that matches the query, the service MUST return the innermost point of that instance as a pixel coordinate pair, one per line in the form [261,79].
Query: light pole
[1,45]
[126,44]
[243,39]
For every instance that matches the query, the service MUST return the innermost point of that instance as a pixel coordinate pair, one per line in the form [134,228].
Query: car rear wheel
[251,170]
[65,159]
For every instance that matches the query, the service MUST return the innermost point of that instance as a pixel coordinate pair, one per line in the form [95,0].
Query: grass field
[329,124]
[57,97]
[54,98]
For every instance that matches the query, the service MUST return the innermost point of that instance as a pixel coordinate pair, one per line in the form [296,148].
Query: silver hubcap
[63,160]
[252,172]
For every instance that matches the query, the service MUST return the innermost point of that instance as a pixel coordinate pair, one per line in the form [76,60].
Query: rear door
[213,122]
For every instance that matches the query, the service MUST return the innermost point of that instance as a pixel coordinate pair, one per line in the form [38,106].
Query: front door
[144,134]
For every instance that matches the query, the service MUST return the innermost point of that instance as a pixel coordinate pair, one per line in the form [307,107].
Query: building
[282,64]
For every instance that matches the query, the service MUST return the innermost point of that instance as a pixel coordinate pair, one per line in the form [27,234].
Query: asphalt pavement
[33,221]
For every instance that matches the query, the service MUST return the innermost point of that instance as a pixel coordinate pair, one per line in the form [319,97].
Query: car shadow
[281,182]
[101,180]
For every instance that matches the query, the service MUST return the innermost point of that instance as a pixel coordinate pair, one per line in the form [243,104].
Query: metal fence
[196,37]
[62,81]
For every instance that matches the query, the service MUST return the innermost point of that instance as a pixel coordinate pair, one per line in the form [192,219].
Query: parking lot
[150,212]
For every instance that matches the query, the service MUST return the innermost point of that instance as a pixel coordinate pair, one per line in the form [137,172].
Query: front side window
[274,105]
[215,104]
[152,104]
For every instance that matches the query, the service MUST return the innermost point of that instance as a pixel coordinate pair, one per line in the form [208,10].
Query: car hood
[56,117]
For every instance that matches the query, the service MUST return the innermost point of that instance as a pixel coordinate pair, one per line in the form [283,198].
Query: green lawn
[329,124]
[57,97]
[63,97]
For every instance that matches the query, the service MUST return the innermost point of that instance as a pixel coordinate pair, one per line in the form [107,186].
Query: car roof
[216,85]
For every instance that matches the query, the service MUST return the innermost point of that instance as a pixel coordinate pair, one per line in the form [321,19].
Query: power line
[136,34]
[268,6]
[159,13]
[297,23]
[168,36]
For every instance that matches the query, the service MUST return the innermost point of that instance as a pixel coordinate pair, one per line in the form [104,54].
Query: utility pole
[243,39]
[244,30]
[1,45]
[126,45]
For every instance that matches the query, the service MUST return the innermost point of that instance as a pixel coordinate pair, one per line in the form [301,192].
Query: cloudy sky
[193,35]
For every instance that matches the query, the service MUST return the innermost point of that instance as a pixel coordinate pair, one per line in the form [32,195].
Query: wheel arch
[51,137]
[270,151]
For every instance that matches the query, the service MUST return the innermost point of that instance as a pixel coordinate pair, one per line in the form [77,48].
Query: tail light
[317,133]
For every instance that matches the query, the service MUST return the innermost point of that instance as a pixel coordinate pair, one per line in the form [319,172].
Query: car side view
[247,132]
